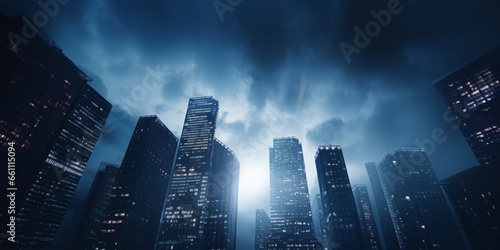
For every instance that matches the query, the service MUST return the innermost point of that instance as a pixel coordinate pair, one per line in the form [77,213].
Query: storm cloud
[277,69]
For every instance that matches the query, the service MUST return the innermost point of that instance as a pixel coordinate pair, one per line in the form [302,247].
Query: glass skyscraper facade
[135,208]
[291,219]
[185,210]
[262,229]
[416,202]
[100,192]
[369,230]
[54,120]
[50,195]
[204,186]
[386,230]
[222,200]
[472,94]
[344,230]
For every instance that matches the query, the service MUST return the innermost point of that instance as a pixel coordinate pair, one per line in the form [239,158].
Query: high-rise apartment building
[344,230]
[291,219]
[140,187]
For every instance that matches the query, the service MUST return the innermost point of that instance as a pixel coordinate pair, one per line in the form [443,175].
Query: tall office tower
[97,202]
[291,220]
[51,193]
[46,105]
[319,221]
[262,229]
[135,208]
[388,237]
[344,230]
[369,230]
[184,215]
[418,206]
[475,196]
[472,95]
[222,200]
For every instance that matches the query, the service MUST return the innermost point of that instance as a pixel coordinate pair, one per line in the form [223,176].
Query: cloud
[174,85]
[328,132]
[277,70]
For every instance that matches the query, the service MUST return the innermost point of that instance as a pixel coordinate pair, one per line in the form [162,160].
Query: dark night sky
[277,69]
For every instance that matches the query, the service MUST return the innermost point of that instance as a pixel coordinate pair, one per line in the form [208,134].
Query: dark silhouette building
[50,195]
[262,229]
[222,200]
[369,230]
[344,230]
[472,95]
[135,208]
[319,221]
[387,233]
[54,119]
[204,186]
[96,205]
[475,196]
[417,204]
[291,219]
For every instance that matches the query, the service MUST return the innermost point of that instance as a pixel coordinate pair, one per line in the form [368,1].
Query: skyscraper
[135,208]
[417,204]
[475,196]
[222,200]
[472,95]
[388,237]
[262,229]
[344,230]
[53,119]
[291,220]
[204,185]
[101,190]
[369,230]
[51,194]
[319,221]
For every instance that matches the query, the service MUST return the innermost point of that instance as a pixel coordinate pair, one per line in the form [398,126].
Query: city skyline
[282,74]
